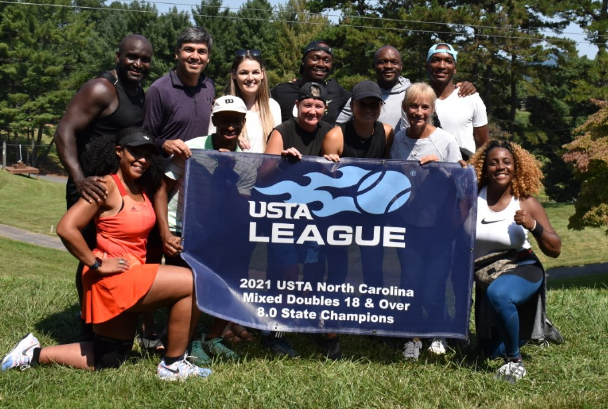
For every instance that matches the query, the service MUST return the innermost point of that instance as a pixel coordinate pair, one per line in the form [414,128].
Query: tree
[42,50]
[296,27]
[589,155]
[221,25]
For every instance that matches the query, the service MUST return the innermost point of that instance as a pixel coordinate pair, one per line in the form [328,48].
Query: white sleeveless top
[497,231]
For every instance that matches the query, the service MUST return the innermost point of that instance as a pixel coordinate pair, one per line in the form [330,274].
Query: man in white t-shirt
[463,117]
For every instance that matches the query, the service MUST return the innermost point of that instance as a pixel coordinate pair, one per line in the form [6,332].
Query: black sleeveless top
[307,143]
[130,112]
[355,147]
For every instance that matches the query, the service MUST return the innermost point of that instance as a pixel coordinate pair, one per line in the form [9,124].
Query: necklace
[365,140]
[416,144]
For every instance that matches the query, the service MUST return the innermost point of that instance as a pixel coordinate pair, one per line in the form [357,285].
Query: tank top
[355,147]
[497,231]
[130,112]
[125,234]
[307,143]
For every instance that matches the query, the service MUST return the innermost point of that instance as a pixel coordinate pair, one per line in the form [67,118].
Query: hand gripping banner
[362,246]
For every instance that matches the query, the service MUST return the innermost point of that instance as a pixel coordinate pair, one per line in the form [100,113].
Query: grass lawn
[39,296]
[578,247]
[30,204]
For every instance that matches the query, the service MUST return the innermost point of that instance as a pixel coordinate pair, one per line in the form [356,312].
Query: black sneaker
[332,348]
[279,346]
[552,334]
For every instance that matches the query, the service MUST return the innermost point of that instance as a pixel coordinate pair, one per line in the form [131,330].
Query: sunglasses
[244,53]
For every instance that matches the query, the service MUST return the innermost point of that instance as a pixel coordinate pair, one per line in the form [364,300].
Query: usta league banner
[378,247]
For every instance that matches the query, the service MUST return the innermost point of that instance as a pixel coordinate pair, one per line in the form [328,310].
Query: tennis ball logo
[383,192]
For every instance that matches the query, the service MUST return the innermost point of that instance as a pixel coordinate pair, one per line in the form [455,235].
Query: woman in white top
[429,250]
[507,177]
[248,82]
[422,141]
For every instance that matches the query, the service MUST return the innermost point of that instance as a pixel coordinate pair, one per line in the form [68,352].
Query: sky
[573,32]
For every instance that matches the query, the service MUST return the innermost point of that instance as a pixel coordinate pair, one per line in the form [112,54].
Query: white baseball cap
[229,103]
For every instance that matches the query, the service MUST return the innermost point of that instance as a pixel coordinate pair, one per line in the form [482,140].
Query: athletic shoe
[21,356]
[216,348]
[279,346]
[196,354]
[332,348]
[511,372]
[552,334]
[438,346]
[412,348]
[180,370]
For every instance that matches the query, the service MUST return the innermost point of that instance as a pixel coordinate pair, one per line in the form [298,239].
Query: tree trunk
[36,148]
[513,96]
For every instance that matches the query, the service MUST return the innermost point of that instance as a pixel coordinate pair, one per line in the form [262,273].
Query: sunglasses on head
[244,53]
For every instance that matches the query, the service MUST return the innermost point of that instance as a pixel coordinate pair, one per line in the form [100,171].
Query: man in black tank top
[104,105]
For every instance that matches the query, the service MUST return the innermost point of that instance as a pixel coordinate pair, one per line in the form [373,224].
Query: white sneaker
[511,372]
[412,348]
[180,370]
[21,356]
[438,346]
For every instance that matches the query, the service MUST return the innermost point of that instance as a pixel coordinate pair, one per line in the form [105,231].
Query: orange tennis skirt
[107,296]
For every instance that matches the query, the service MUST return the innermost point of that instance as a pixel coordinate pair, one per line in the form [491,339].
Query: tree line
[537,89]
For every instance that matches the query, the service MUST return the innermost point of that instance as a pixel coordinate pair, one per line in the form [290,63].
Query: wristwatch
[96,264]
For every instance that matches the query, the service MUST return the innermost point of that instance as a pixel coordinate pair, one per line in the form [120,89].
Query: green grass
[38,263]
[38,295]
[374,375]
[588,246]
[30,204]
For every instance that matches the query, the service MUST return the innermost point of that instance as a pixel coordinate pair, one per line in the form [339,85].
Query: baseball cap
[229,103]
[313,90]
[314,46]
[450,50]
[138,137]
[366,89]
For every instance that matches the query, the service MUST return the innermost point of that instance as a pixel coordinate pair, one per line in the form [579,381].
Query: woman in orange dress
[118,285]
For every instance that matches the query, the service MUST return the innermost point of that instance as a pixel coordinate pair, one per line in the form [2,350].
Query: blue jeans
[504,295]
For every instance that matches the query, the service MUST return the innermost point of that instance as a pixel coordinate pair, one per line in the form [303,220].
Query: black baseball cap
[366,89]
[138,137]
[313,90]
[314,46]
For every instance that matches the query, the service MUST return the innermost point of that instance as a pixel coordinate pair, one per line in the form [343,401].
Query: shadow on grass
[63,327]
[599,281]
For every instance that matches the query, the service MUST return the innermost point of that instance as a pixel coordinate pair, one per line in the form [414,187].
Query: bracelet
[532,229]
[538,230]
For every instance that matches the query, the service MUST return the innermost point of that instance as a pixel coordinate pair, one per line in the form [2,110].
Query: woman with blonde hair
[248,82]
[425,143]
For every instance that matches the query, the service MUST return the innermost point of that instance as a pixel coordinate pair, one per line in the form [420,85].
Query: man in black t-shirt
[317,65]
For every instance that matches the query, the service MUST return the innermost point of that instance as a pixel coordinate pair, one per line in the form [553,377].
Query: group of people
[125,203]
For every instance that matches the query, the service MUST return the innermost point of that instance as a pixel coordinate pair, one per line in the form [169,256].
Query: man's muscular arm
[97,98]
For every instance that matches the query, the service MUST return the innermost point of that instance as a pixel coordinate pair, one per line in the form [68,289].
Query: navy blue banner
[362,246]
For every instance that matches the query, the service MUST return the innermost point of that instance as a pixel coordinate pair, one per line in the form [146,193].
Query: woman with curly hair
[248,81]
[118,285]
[508,176]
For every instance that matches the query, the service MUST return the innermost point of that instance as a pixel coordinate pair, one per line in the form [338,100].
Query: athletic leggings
[504,295]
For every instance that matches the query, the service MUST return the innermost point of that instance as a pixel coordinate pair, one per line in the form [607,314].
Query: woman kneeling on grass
[118,285]
[507,177]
